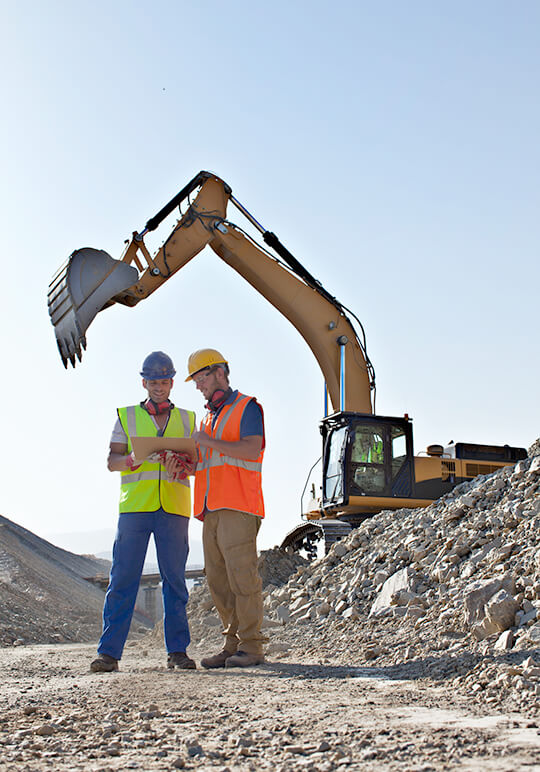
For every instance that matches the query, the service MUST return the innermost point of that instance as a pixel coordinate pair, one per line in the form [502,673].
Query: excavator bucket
[82,287]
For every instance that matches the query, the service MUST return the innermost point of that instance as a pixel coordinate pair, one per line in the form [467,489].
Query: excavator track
[306,536]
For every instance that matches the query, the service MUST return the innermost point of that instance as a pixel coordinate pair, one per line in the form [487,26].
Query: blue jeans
[171,538]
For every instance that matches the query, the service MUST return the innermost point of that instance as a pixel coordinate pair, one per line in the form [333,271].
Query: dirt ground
[414,687]
[295,712]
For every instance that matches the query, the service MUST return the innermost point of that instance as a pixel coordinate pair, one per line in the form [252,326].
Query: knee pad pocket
[241,563]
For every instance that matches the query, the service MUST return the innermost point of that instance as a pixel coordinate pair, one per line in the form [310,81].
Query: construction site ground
[295,712]
[413,645]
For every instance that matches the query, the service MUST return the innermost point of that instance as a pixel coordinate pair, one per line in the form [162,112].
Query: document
[145,446]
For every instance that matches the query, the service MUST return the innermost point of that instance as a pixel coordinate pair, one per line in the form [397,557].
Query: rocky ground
[297,712]
[413,645]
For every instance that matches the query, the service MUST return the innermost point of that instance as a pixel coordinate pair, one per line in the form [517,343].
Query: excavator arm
[368,463]
[91,280]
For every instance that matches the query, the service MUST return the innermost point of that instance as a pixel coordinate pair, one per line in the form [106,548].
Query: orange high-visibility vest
[224,482]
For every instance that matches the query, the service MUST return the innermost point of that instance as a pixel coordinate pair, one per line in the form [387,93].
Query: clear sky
[392,146]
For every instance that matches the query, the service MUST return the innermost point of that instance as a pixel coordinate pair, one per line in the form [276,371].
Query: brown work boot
[180,660]
[243,659]
[104,664]
[218,660]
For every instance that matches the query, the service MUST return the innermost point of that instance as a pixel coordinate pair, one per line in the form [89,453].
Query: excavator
[368,461]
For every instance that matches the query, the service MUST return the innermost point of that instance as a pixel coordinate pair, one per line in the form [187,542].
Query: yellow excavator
[368,462]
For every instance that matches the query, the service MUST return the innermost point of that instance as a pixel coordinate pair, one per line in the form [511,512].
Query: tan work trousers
[230,565]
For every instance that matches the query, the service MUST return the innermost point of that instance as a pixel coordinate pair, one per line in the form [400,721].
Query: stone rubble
[451,590]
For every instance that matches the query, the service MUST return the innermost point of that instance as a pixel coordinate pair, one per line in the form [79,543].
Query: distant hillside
[44,597]
[99,542]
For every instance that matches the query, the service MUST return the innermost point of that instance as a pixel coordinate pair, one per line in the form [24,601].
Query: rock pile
[534,450]
[44,595]
[451,591]
[461,576]
[276,567]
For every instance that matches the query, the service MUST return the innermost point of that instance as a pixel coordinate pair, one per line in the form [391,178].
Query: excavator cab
[368,463]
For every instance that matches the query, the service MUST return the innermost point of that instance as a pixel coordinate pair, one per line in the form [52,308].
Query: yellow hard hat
[205,357]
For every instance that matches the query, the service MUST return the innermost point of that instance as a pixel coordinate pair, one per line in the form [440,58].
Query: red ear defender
[218,398]
[157,408]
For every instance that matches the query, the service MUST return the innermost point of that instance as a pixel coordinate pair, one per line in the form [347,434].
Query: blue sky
[393,147]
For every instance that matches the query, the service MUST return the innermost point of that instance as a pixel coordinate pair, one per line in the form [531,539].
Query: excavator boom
[92,280]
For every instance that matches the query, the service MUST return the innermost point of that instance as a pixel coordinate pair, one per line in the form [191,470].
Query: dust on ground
[292,713]
[412,645]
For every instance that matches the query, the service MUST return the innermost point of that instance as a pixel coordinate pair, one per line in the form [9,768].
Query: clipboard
[144,446]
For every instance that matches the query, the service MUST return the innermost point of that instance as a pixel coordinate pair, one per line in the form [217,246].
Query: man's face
[207,381]
[158,390]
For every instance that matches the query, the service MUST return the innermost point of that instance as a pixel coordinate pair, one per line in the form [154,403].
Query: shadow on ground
[437,668]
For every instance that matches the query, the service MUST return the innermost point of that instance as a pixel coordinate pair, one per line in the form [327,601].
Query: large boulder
[501,610]
[489,607]
[401,581]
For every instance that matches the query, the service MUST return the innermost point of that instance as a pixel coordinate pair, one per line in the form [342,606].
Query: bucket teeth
[68,338]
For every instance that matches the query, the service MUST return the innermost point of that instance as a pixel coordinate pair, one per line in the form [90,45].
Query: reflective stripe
[131,421]
[202,464]
[252,466]
[132,477]
[135,477]
[208,455]
[184,415]
[224,421]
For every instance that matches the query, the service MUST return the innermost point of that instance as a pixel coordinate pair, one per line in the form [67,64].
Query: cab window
[367,446]
[367,459]
[334,468]
[399,449]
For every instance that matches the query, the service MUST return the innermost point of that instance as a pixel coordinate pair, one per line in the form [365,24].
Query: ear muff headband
[157,408]
[218,398]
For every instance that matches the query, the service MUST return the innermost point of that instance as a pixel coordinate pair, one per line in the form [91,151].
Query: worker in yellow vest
[153,500]
[228,499]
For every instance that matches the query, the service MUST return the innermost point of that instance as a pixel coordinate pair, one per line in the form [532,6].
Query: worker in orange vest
[228,499]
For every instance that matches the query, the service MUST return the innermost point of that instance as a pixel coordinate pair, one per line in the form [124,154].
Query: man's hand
[132,462]
[202,438]
[119,460]
[248,448]
[178,465]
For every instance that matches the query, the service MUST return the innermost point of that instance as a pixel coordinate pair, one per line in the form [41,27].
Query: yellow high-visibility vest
[147,488]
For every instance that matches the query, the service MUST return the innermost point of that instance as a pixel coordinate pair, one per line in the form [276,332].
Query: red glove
[181,460]
[130,461]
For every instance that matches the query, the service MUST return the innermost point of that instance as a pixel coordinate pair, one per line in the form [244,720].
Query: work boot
[243,659]
[218,660]
[104,664]
[180,660]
